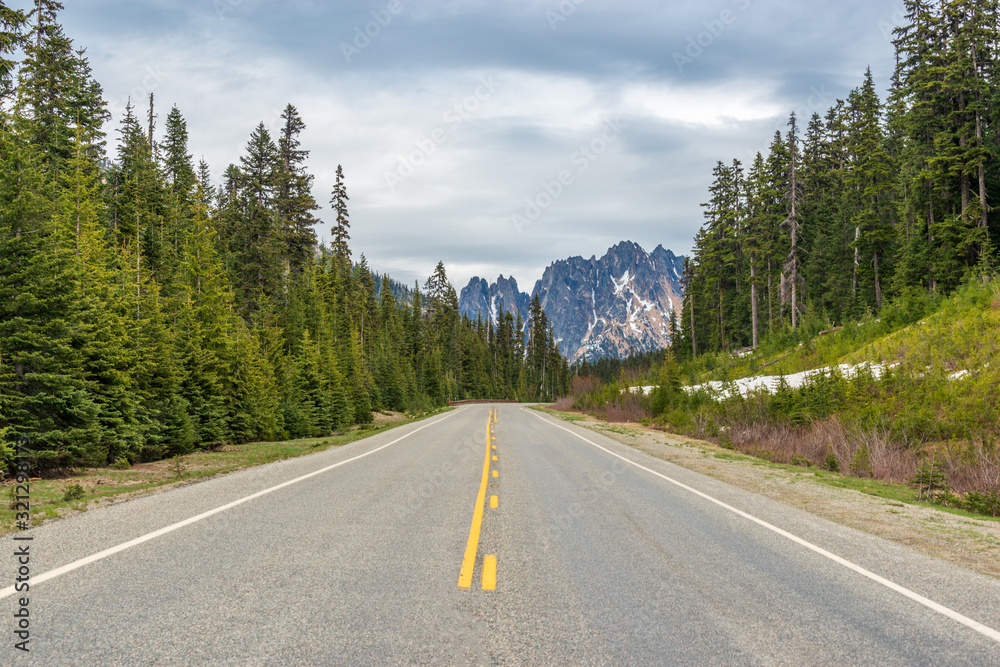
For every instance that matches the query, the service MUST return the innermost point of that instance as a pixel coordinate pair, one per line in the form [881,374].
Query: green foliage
[74,492]
[986,502]
[861,464]
[886,201]
[178,466]
[931,481]
[144,313]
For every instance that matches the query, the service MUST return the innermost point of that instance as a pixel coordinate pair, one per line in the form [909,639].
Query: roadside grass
[895,493]
[53,498]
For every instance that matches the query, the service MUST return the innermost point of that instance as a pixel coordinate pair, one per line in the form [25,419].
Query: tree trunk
[878,285]
[854,279]
[793,223]
[931,280]
[770,298]
[981,168]
[694,341]
[151,117]
[753,303]
[722,321]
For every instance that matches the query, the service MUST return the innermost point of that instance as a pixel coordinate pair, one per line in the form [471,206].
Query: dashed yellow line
[493,502]
[472,546]
[489,573]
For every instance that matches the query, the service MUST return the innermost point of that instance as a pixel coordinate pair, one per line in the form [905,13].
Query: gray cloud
[411,91]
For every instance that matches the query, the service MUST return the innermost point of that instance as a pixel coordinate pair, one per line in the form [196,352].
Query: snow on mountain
[608,307]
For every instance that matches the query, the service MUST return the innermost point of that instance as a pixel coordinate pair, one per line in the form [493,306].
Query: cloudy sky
[497,136]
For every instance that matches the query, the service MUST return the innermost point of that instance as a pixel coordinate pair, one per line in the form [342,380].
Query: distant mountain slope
[402,293]
[490,301]
[608,307]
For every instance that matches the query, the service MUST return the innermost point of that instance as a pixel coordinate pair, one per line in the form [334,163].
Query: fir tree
[293,193]
[42,393]
[342,224]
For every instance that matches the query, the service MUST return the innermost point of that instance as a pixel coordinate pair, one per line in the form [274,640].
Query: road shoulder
[969,542]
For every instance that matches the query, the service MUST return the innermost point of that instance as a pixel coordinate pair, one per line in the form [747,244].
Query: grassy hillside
[925,410]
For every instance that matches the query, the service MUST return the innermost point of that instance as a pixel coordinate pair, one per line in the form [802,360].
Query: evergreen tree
[792,272]
[108,358]
[12,22]
[253,231]
[42,394]
[342,224]
[57,90]
[293,196]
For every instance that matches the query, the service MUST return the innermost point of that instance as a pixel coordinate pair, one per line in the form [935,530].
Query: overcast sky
[593,121]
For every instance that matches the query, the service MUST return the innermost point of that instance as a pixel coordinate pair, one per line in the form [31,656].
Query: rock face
[480,299]
[609,307]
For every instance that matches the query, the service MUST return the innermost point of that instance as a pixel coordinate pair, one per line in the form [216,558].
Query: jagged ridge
[608,307]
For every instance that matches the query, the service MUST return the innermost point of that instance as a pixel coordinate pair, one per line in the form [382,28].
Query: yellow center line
[493,502]
[489,573]
[472,546]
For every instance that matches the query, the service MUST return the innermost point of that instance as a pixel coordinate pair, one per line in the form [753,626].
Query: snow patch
[619,287]
[771,383]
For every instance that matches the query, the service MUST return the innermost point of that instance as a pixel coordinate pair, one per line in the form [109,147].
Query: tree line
[875,200]
[145,312]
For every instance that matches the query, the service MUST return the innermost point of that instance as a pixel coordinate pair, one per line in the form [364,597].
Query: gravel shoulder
[965,541]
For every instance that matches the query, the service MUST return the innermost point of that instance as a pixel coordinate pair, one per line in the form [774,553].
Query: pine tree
[42,394]
[136,196]
[253,231]
[293,193]
[12,22]
[178,167]
[793,197]
[872,179]
[57,90]
[342,225]
[108,358]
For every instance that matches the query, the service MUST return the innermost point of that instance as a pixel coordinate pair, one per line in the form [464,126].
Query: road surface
[594,553]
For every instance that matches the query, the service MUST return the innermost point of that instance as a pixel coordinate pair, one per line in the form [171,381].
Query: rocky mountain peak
[613,306]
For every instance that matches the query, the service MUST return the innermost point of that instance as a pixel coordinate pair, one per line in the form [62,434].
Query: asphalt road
[598,561]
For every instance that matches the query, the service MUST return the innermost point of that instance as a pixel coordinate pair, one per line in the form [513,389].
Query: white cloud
[702,105]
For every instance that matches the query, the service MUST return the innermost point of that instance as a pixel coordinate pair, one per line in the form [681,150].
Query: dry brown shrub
[629,408]
[563,404]
[974,468]
[584,384]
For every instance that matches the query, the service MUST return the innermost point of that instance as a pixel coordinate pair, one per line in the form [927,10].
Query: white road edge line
[916,597]
[52,574]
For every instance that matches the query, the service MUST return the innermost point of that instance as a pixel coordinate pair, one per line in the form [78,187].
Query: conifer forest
[146,312]
[888,195]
